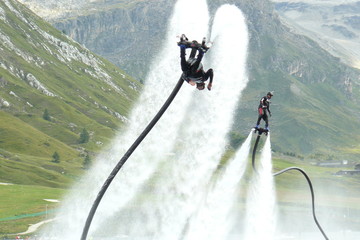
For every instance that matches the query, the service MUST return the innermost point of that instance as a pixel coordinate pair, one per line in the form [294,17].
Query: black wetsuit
[263,107]
[193,69]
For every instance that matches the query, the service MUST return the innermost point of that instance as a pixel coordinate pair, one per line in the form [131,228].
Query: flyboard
[194,44]
[260,131]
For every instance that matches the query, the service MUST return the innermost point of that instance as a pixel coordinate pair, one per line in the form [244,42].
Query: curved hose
[304,174]
[126,156]
[312,194]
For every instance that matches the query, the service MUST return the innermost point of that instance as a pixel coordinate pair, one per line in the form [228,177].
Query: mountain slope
[315,107]
[333,24]
[42,70]
[132,29]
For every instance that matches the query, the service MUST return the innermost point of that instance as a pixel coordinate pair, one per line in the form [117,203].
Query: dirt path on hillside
[35,226]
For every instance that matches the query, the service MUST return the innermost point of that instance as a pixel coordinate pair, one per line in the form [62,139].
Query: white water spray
[197,132]
[201,140]
[159,84]
[216,216]
[202,136]
[261,202]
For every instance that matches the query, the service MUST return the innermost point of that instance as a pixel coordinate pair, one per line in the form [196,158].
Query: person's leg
[199,57]
[260,111]
[193,53]
[266,119]
[184,65]
[258,121]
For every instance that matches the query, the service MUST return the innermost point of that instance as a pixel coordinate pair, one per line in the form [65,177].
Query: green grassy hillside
[52,90]
[44,71]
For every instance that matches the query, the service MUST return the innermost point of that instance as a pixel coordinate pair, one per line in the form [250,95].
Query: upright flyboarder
[263,108]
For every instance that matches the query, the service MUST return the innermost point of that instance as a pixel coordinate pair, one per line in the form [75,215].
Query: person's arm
[268,107]
[262,103]
[210,74]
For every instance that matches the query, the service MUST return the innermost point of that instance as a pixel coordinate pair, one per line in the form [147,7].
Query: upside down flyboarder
[193,71]
[263,108]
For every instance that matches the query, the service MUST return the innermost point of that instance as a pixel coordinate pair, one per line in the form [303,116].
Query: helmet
[270,94]
[200,86]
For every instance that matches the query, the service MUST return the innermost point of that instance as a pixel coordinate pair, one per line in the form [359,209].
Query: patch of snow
[52,200]
[9,45]
[121,117]
[2,183]
[2,15]
[63,51]
[13,94]
[31,79]
[133,86]
[68,52]
[4,103]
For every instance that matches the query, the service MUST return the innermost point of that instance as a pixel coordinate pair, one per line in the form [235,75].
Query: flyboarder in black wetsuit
[263,107]
[193,71]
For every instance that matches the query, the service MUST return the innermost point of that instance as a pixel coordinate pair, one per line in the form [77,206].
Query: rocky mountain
[335,24]
[126,32]
[59,102]
[316,102]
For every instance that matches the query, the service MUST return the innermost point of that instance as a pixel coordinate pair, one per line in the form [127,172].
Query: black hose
[304,174]
[126,156]
[312,194]
[254,152]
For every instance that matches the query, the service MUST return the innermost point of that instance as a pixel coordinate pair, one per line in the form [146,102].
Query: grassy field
[22,205]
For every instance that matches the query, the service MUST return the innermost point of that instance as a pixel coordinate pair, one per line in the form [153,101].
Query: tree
[46,115]
[87,162]
[84,136]
[56,157]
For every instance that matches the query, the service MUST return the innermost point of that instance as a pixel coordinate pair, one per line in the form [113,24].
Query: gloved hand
[270,114]
[209,86]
